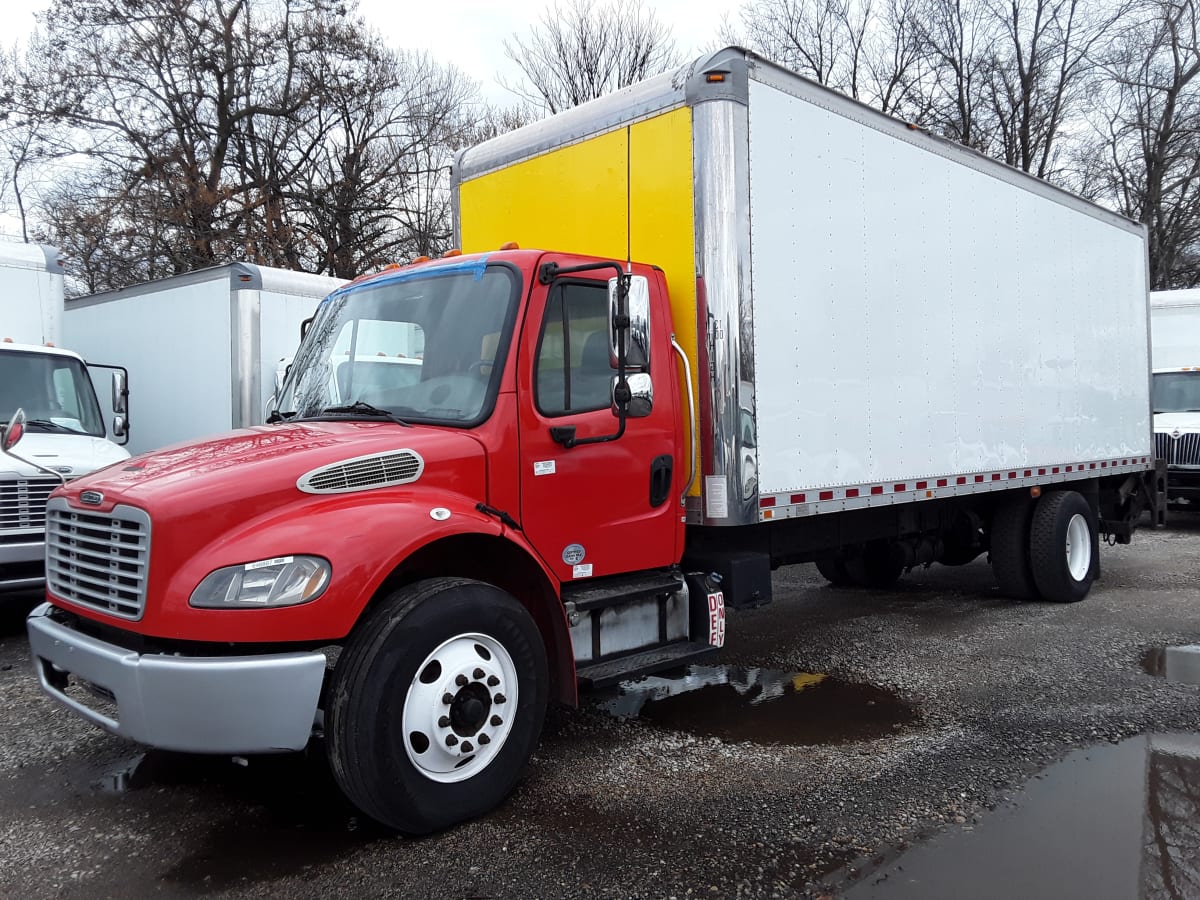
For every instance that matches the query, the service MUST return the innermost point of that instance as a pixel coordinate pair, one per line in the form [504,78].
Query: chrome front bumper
[193,704]
[16,557]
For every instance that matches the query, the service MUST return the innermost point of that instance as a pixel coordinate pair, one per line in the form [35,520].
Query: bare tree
[578,52]
[1146,160]
[871,50]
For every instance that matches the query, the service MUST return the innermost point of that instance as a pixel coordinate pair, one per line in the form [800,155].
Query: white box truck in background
[64,428]
[203,348]
[1175,325]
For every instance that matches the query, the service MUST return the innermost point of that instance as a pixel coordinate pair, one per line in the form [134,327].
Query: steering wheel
[476,368]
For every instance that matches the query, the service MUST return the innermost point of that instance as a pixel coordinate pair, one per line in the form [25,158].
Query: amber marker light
[510,245]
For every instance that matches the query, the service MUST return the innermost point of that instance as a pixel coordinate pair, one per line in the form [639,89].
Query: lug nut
[492,681]
[496,720]
[498,699]
[461,680]
[447,699]
[444,722]
[451,740]
[467,748]
[484,739]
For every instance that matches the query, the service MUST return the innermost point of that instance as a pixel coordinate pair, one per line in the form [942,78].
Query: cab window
[574,372]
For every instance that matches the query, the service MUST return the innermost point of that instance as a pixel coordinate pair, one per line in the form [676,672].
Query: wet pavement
[761,706]
[851,743]
[1179,664]
[1116,821]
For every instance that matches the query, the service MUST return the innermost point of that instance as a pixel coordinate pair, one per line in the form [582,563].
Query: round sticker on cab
[573,554]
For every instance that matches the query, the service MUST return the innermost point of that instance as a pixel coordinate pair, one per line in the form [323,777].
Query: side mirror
[13,431]
[120,427]
[637,335]
[641,396]
[120,395]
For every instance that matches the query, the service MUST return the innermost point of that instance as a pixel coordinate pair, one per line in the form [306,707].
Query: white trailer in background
[202,348]
[1175,326]
[64,428]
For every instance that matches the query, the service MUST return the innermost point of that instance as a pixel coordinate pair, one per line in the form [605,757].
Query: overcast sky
[470,33]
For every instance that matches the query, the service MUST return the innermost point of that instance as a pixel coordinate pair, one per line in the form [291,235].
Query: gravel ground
[629,808]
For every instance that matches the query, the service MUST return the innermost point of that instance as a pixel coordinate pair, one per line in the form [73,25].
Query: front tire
[436,704]
[1063,547]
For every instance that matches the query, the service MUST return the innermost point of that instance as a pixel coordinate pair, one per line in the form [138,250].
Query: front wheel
[1063,547]
[436,704]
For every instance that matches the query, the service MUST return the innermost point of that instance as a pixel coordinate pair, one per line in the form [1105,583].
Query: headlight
[282,581]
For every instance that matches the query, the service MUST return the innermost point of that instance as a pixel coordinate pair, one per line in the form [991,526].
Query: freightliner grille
[97,559]
[23,504]
[1181,451]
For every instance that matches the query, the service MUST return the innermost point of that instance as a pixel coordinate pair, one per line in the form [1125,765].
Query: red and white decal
[716,618]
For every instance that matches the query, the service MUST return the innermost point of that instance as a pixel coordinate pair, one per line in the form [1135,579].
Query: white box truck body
[1175,322]
[65,431]
[875,317]
[202,348]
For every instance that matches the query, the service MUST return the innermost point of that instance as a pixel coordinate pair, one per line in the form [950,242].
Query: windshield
[1177,392]
[54,391]
[421,345]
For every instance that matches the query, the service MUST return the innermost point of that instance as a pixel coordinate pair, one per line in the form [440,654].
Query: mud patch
[1180,664]
[1113,821]
[761,706]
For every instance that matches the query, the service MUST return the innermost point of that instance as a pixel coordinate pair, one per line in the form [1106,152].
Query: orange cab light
[8,340]
[419,259]
[49,343]
[714,77]
[453,252]
[510,245]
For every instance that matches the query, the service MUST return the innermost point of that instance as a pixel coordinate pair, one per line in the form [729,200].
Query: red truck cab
[431,537]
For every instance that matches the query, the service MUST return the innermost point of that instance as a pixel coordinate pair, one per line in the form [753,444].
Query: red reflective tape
[978,478]
[765,502]
[826,495]
[1055,470]
[941,482]
[1012,474]
[1041,471]
[900,487]
[962,479]
[1093,465]
[1104,465]
[878,489]
[851,493]
[797,498]
[921,485]
[995,476]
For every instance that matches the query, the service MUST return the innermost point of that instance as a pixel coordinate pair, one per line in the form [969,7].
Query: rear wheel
[833,570]
[436,704]
[1010,549]
[878,566]
[1063,547]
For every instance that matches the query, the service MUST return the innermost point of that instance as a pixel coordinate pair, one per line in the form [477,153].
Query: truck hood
[71,455]
[224,481]
[1184,421]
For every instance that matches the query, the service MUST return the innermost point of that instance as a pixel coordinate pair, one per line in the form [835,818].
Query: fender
[365,536]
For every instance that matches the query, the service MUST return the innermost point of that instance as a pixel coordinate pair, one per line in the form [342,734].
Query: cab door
[594,509]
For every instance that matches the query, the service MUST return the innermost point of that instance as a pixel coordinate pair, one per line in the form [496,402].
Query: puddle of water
[1115,821]
[1181,664]
[762,706]
[291,814]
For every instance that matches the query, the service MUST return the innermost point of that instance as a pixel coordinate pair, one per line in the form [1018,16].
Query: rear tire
[833,569]
[878,566]
[436,704]
[1064,547]
[1010,549]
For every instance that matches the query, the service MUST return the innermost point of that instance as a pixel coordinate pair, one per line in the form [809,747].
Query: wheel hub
[459,707]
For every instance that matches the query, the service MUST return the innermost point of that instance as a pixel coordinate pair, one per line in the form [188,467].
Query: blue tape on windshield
[474,267]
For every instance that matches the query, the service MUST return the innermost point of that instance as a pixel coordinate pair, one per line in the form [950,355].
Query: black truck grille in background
[1181,451]
[23,504]
[96,559]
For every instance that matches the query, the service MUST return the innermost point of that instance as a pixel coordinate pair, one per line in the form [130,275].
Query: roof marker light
[510,245]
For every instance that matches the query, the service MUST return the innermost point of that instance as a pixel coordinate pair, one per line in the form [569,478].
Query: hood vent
[364,473]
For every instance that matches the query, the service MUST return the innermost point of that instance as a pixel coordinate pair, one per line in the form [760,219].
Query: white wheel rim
[459,708]
[1079,547]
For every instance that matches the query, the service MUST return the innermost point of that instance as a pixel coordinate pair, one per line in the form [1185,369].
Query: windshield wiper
[277,416]
[52,426]
[356,409]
